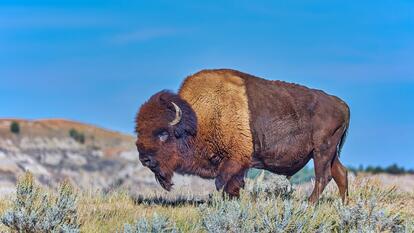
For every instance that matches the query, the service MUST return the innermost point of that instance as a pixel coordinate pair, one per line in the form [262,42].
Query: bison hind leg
[327,165]
[340,175]
[322,175]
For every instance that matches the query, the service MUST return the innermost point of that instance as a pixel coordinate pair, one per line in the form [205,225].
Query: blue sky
[97,61]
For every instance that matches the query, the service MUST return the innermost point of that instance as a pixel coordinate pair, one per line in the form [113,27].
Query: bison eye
[163,136]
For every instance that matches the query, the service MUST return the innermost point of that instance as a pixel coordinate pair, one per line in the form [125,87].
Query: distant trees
[391,169]
[15,127]
[77,136]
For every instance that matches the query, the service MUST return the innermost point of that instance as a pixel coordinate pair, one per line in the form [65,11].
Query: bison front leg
[232,187]
[231,177]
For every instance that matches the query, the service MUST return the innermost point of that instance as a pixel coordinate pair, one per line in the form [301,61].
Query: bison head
[164,125]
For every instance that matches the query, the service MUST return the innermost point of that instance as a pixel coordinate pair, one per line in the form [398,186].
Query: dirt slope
[105,160]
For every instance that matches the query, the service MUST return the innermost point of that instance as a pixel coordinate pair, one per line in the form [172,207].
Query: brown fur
[224,131]
[233,121]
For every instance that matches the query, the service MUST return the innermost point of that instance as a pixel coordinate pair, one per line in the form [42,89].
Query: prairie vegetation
[15,127]
[263,207]
[79,137]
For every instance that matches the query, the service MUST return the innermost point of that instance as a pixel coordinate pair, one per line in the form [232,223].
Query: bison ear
[163,99]
[166,100]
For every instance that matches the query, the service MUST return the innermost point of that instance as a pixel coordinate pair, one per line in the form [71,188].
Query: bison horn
[178,115]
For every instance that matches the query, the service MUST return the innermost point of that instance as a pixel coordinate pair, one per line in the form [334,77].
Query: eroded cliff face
[91,157]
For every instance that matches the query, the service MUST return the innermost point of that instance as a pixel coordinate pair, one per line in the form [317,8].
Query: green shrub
[77,136]
[275,214]
[266,214]
[270,185]
[15,127]
[253,173]
[306,174]
[156,225]
[34,210]
[268,205]
[365,216]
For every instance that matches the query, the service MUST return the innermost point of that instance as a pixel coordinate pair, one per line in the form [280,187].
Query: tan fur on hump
[220,102]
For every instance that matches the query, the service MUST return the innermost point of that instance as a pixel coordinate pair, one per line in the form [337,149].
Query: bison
[223,122]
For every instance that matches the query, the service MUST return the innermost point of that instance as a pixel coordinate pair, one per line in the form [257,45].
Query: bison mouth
[164,180]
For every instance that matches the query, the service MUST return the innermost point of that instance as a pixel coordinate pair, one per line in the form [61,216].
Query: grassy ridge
[261,208]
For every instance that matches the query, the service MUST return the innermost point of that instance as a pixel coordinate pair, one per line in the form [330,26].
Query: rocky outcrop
[104,160]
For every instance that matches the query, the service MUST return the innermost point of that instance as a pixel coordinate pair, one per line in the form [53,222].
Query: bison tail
[346,127]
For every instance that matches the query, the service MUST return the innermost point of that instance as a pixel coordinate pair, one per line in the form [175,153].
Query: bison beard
[224,122]
[163,180]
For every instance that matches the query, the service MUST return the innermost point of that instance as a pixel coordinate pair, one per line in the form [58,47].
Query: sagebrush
[34,210]
[262,207]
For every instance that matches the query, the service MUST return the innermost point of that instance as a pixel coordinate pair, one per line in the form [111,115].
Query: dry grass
[109,213]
